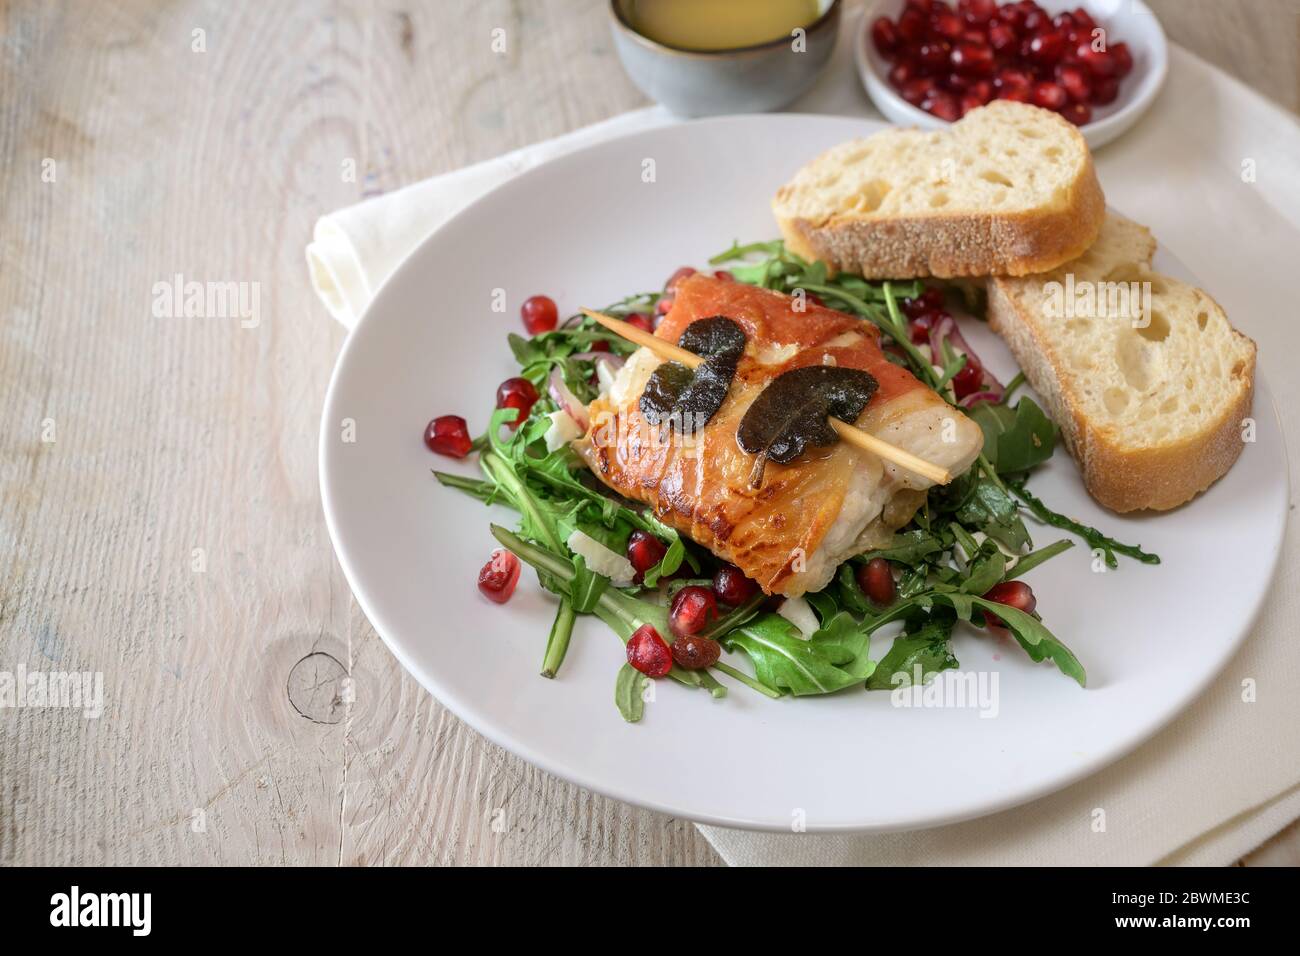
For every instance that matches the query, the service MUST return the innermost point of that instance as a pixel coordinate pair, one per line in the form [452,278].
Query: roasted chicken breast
[792,532]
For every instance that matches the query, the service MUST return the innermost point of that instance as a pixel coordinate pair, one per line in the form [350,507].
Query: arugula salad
[960,560]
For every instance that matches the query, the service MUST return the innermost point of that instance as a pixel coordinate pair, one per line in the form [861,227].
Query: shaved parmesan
[562,431]
[774,353]
[601,559]
[799,613]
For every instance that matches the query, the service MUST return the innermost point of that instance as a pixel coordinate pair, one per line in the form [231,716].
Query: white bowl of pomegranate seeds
[1099,64]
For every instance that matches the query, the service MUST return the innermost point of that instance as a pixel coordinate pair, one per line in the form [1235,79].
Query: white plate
[1129,21]
[587,230]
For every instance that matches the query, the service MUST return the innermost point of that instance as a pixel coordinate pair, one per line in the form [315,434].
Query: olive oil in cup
[705,57]
[720,24]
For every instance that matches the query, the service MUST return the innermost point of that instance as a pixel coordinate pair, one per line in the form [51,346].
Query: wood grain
[170,534]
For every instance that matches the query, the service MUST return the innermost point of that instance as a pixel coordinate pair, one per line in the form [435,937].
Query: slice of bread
[1150,401]
[1009,189]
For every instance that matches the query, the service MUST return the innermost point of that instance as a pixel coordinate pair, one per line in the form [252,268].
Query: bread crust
[947,245]
[1123,480]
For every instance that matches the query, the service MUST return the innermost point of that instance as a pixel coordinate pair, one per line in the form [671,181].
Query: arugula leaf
[783,660]
[1095,539]
[629,687]
[673,558]
[484,491]
[1035,558]
[849,596]
[586,587]
[621,611]
[928,644]
[986,568]
[1039,643]
[1015,439]
[557,643]
[984,505]
[843,641]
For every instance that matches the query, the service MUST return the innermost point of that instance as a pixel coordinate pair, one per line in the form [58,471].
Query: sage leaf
[793,411]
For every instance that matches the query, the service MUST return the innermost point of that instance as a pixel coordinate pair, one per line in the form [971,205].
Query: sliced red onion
[946,330]
[976,397]
[567,401]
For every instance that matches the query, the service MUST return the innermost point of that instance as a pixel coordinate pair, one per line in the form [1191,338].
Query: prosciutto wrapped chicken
[790,532]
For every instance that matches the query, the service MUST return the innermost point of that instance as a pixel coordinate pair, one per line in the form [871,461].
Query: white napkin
[1214,170]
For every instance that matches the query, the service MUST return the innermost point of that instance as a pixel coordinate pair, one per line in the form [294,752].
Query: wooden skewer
[850,433]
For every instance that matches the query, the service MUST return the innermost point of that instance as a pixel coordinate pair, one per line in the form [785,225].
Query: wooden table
[160,520]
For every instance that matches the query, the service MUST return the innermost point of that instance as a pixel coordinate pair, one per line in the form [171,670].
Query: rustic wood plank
[170,535]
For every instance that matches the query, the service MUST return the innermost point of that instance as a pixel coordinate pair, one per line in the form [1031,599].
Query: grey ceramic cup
[744,80]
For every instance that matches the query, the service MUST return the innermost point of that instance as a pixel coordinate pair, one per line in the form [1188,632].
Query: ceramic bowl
[748,79]
[1129,21]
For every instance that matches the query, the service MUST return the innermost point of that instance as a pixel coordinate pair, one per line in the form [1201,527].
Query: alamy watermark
[176,298]
[951,689]
[1098,300]
[74,690]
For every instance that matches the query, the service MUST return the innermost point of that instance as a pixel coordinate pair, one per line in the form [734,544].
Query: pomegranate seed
[885,35]
[517,393]
[812,298]
[724,275]
[497,578]
[1049,96]
[942,105]
[1105,90]
[641,321]
[902,72]
[600,345]
[969,380]
[970,58]
[664,305]
[1080,114]
[982,90]
[956,82]
[732,587]
[448,435]
[1123,59]
[921,326]
[1047,47]
[1011,78]
[1083,19]
[1063,21]
[683,273]
[694,608]
[1003,38]
[1017,95]
[911,25]
[1098,62]
[928,301]
[644,551]
[1034,20]
[876,578]
[933,54]
[647,652]
[915,91]
[696,653]
[946,24]
[1075,81]
[977,11]
[1016,594]
[1011,15]
[539,314]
